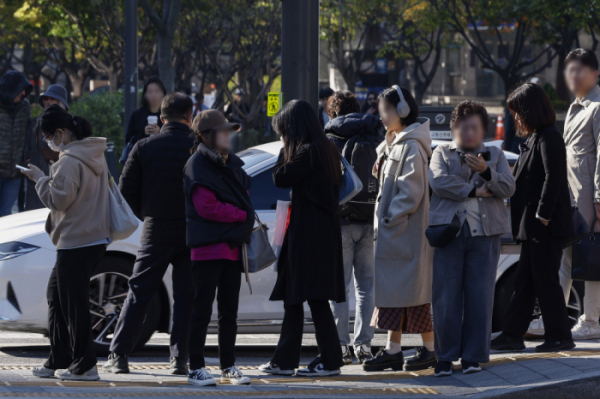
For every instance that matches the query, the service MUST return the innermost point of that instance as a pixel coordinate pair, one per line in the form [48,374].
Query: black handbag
[580,227]
[586,257]
[441,235]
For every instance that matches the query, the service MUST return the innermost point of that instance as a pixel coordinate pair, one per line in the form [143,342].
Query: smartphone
[22,168]
[486,155]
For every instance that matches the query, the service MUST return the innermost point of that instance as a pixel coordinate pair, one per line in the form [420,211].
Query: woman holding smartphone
[76,192]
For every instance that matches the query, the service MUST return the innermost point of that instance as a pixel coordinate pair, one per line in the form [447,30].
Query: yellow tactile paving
[274,380]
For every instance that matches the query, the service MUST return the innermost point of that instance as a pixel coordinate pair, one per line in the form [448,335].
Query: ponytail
[54,117]
[206,137]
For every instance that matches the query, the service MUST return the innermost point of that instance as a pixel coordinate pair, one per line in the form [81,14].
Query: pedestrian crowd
[422,238]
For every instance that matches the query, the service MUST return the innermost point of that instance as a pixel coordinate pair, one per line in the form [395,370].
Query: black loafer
[179,366]
[555,346]
[505,342]
[422,360]
[384,360]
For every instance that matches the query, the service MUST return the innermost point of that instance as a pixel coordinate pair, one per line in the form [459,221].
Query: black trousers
[225,278]
[537,276]
[287,353]
[68,295]
[148,272]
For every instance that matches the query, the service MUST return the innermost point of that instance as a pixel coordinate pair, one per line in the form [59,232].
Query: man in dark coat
[15,116]
[358,132]
[324,95]
[152,184]
[36,151]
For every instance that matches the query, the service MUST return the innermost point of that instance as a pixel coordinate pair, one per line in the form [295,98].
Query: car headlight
[10,250]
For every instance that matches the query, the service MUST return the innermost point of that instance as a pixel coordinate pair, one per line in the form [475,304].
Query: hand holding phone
[23,168]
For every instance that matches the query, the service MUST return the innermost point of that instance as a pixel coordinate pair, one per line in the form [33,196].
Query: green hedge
[105,111]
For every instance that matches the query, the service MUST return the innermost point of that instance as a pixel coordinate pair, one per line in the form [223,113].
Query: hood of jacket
[11,84]
[349,125]
[418,131]
[90,151]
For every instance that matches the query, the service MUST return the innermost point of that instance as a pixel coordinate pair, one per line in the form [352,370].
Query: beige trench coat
[582,127]
[403,257]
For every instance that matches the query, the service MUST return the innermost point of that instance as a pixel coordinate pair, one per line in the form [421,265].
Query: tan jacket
[582,127]
[403,257]
[76,192]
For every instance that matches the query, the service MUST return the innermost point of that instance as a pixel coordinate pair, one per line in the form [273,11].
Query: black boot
[555,346]
[179,366]
[422,360]
[116,364]
[505,342]
[384,360]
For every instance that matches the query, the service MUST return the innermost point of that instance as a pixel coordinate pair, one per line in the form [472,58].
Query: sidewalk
[508,375]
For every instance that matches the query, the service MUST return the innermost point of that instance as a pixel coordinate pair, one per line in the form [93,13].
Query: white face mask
[54,147]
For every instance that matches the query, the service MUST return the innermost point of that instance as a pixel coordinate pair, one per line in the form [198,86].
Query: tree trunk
[560,83]
[164,61]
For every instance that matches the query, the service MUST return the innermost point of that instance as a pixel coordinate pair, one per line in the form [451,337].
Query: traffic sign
[273,103]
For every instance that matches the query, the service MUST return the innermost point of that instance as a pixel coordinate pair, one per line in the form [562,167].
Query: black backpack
[361,152]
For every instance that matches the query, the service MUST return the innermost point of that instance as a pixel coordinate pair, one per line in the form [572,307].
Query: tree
[165,26]
[415,31]
[559,24]
[238,46]
[477,21]
[346,26]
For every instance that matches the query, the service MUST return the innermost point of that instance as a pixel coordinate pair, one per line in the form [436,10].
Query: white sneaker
[234,376]
[201,378]
[272,368]
[585,329]
[90,375]
[43,372]
[536,329]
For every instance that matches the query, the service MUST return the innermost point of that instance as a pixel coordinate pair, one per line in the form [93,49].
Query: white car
[27,256]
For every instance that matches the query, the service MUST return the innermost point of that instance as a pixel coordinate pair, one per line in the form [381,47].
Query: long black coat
[310,265]
[542,188]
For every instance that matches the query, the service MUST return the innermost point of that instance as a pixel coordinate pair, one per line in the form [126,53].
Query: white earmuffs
[403,109]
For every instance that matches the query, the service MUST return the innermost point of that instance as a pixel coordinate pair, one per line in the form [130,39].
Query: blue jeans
[464,277]
[9,192]
[358,250]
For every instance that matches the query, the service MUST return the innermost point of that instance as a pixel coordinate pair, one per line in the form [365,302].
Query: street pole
[131,59]
[300,50]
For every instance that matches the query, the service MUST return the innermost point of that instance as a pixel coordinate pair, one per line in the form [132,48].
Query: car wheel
[108,290]
[505,289]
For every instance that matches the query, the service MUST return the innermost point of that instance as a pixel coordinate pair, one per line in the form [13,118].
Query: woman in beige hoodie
[76,192]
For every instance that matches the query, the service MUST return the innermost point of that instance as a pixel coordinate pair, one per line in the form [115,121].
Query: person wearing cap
[220,218]
[238,109]
[15,117]
[152,184]
[36,149]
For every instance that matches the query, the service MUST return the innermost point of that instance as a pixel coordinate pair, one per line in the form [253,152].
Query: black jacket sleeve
[285,175]
[130,183]
[554,155]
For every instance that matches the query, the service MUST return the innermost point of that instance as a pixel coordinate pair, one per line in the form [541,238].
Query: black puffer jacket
[14,122]
[230,183]
[152,183]
[340,129]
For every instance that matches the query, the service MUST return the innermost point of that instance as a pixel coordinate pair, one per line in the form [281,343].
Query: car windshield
[253,157]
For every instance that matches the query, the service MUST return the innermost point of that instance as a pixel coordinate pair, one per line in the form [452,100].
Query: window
[263,192]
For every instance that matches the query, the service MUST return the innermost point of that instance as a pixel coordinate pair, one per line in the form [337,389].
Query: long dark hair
[54,117]
[152,79]
[534,108]
[298,123]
